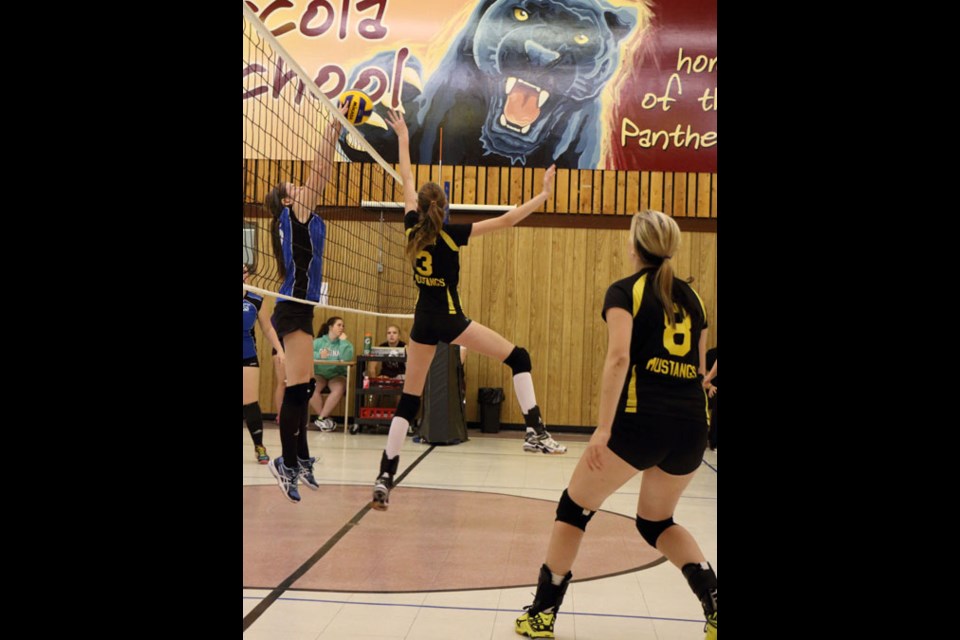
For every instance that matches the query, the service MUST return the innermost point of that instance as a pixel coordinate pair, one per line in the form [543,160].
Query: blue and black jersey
[302,246]
[664,374]
[437,269]
[251,307]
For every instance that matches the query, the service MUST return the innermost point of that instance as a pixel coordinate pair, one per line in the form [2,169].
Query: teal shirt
[339,350]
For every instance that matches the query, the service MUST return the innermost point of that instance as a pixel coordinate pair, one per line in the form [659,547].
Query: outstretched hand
[548,179]
[397,123]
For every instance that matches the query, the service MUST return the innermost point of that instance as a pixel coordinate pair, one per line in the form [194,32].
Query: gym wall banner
[589,84]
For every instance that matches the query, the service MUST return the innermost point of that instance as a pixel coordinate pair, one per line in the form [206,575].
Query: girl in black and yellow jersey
[652,419]
[433,248]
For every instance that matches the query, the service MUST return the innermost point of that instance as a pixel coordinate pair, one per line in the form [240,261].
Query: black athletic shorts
[644,441]
[252,361]
[431,328]
[292,316]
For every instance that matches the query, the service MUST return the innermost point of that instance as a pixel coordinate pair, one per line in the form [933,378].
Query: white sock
[523,387]
[398,433]
[555,579]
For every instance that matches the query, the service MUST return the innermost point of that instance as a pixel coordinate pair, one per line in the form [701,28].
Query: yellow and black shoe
[711,627]
[538,625]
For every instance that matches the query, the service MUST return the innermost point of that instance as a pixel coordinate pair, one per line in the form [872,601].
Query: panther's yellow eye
[581,39]
[520,14]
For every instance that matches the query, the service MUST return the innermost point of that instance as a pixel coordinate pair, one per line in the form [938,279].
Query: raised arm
[323,163]
[396,122]
[517,214]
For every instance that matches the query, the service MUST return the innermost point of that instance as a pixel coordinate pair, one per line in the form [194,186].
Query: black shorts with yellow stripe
[431,328]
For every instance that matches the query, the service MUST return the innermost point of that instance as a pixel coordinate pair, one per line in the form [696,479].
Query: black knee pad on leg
[519,361]
[312,386]
[573,514]
[407,407]
[651,530]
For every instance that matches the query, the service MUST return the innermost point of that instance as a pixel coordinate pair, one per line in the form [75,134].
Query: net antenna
[287,125]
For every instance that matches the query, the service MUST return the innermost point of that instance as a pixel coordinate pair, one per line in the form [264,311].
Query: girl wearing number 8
[652,419]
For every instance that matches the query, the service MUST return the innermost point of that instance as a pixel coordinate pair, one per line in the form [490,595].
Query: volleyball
[359,105]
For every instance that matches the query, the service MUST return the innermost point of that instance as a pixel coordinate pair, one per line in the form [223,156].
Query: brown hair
[431,203]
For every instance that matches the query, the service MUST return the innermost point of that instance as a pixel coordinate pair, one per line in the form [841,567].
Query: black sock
[303,450]
[533,420]
[292,424]
[549,596]
[703,581]
[251,413]
[387,465]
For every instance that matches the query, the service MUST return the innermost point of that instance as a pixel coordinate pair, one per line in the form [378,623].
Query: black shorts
[674,445]
[292,316]
[431,328]
[252,361]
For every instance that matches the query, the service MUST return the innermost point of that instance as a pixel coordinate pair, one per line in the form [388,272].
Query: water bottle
[367,343]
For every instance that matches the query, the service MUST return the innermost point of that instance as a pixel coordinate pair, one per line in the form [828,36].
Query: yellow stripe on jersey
[632,392]
[453,310]
[407,231]
[703,309]
[450,243]
[706,405]
[638,287]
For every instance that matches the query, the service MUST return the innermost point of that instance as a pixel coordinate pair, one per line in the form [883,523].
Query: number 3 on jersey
[677,346]
[424,268]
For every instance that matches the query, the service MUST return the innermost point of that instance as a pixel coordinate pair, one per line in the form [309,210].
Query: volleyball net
[287,126]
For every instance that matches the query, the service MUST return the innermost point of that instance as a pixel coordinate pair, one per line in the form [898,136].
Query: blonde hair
[656,237]
[431,203]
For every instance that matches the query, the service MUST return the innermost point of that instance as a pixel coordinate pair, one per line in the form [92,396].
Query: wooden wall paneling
[589,334]
[555,347]
[468,193]
[538,279]
[561,192]
[656,190]
[564,342]
[667,193]
[703,195]
[713,195]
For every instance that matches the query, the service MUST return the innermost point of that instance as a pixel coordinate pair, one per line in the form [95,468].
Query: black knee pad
[651,530]
[573,514]
[519,361]
[297,394]
[312,386]
[407,407]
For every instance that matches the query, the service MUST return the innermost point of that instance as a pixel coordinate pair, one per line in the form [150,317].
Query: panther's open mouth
[523,105]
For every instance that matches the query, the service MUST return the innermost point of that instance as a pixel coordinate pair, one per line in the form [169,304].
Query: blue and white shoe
[306,472]
[286,478]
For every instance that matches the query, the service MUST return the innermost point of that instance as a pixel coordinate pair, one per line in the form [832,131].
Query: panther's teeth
[510,84]
[544,96]
[503,120]
[532,86]
[525,129]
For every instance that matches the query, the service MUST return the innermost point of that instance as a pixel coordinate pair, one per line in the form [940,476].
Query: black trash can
[490,400]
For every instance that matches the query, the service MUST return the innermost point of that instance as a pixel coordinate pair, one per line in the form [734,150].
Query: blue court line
[436,606]
[710,465]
